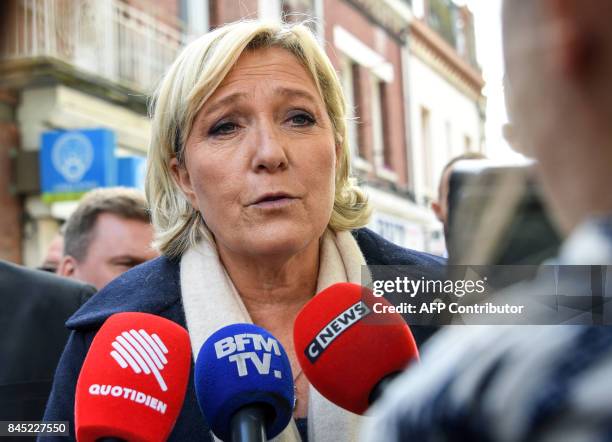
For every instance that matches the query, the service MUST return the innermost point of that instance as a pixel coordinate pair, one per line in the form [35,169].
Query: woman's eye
[223,128]
[301,119]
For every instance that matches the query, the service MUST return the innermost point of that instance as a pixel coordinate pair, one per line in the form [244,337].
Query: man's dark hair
[120,201]
[465,156]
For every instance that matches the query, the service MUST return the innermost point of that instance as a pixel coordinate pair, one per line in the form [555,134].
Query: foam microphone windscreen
[345,349]
[241,365]
[133,381]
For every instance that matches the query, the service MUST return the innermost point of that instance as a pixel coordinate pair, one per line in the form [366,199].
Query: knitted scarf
[211,302]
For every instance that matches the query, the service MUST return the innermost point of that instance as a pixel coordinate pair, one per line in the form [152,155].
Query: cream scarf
[211,302]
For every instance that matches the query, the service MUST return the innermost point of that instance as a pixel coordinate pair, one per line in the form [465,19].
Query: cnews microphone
[348,352]
[244,384]
[133,381]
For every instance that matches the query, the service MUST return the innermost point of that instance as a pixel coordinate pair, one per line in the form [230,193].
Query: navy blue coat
[35,306]
[154,287]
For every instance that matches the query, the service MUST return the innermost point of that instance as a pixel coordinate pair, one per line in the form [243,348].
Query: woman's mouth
[273,200]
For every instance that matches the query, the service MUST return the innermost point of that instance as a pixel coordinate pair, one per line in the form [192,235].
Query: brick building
[84,63]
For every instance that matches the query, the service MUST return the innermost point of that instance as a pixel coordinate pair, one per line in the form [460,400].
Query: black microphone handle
[249,424]
[379,388]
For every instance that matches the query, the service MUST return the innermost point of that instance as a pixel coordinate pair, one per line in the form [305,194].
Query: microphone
[244,384]
[133,380]
[346,350]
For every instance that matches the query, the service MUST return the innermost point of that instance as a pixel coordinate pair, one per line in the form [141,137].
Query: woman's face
[260,159]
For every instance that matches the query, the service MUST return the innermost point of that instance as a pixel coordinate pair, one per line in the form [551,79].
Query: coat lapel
[152,287]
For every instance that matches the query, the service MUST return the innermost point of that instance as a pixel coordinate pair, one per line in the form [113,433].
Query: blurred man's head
[108,233]
[440,207]
[54,254]
[558,56]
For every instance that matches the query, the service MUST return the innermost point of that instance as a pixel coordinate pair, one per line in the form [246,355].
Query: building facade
[445,101]
[413,88]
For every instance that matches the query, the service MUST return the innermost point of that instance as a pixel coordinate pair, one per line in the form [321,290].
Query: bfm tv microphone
[133,380]
[348,352]
[244,384]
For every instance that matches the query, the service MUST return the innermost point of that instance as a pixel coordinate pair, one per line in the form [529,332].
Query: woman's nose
[269,150]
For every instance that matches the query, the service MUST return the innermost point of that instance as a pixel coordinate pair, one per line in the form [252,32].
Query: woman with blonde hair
[254,208]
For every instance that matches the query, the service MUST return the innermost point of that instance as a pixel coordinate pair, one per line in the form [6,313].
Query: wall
[346,15]
[445,104]
[11,212]
[227,11]
[61,107]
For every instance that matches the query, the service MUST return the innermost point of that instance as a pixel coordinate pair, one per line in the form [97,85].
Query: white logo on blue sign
[72,156]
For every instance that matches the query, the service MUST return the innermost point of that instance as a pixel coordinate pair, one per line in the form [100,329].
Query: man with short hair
[535,383]
[54,254]
[109,233]
[440,207]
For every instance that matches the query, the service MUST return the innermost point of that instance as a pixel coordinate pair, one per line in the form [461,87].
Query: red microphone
[347,350]
[133,381]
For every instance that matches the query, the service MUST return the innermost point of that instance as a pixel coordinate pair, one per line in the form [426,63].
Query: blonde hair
[191,80]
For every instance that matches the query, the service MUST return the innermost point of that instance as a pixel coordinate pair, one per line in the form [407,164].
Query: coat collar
[154,287]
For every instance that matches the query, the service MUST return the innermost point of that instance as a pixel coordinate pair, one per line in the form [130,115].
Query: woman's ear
[182,178]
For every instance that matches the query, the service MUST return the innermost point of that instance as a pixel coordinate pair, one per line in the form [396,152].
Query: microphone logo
[335,328]
[143,352]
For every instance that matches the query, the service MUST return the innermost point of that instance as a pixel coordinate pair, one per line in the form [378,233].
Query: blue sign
[74,162]
[132,171]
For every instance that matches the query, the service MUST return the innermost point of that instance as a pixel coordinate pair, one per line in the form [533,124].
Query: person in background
[54,254]
[109,232]
[534,383]
[35,306]
[440,207]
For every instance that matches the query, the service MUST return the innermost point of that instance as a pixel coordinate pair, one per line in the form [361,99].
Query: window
[426,149]
[194,13]
[383,90]
[357,107]
[449,139]
[377,124]
[380,130]
[269,9]
[361,65]
[467,143]
[348,74]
